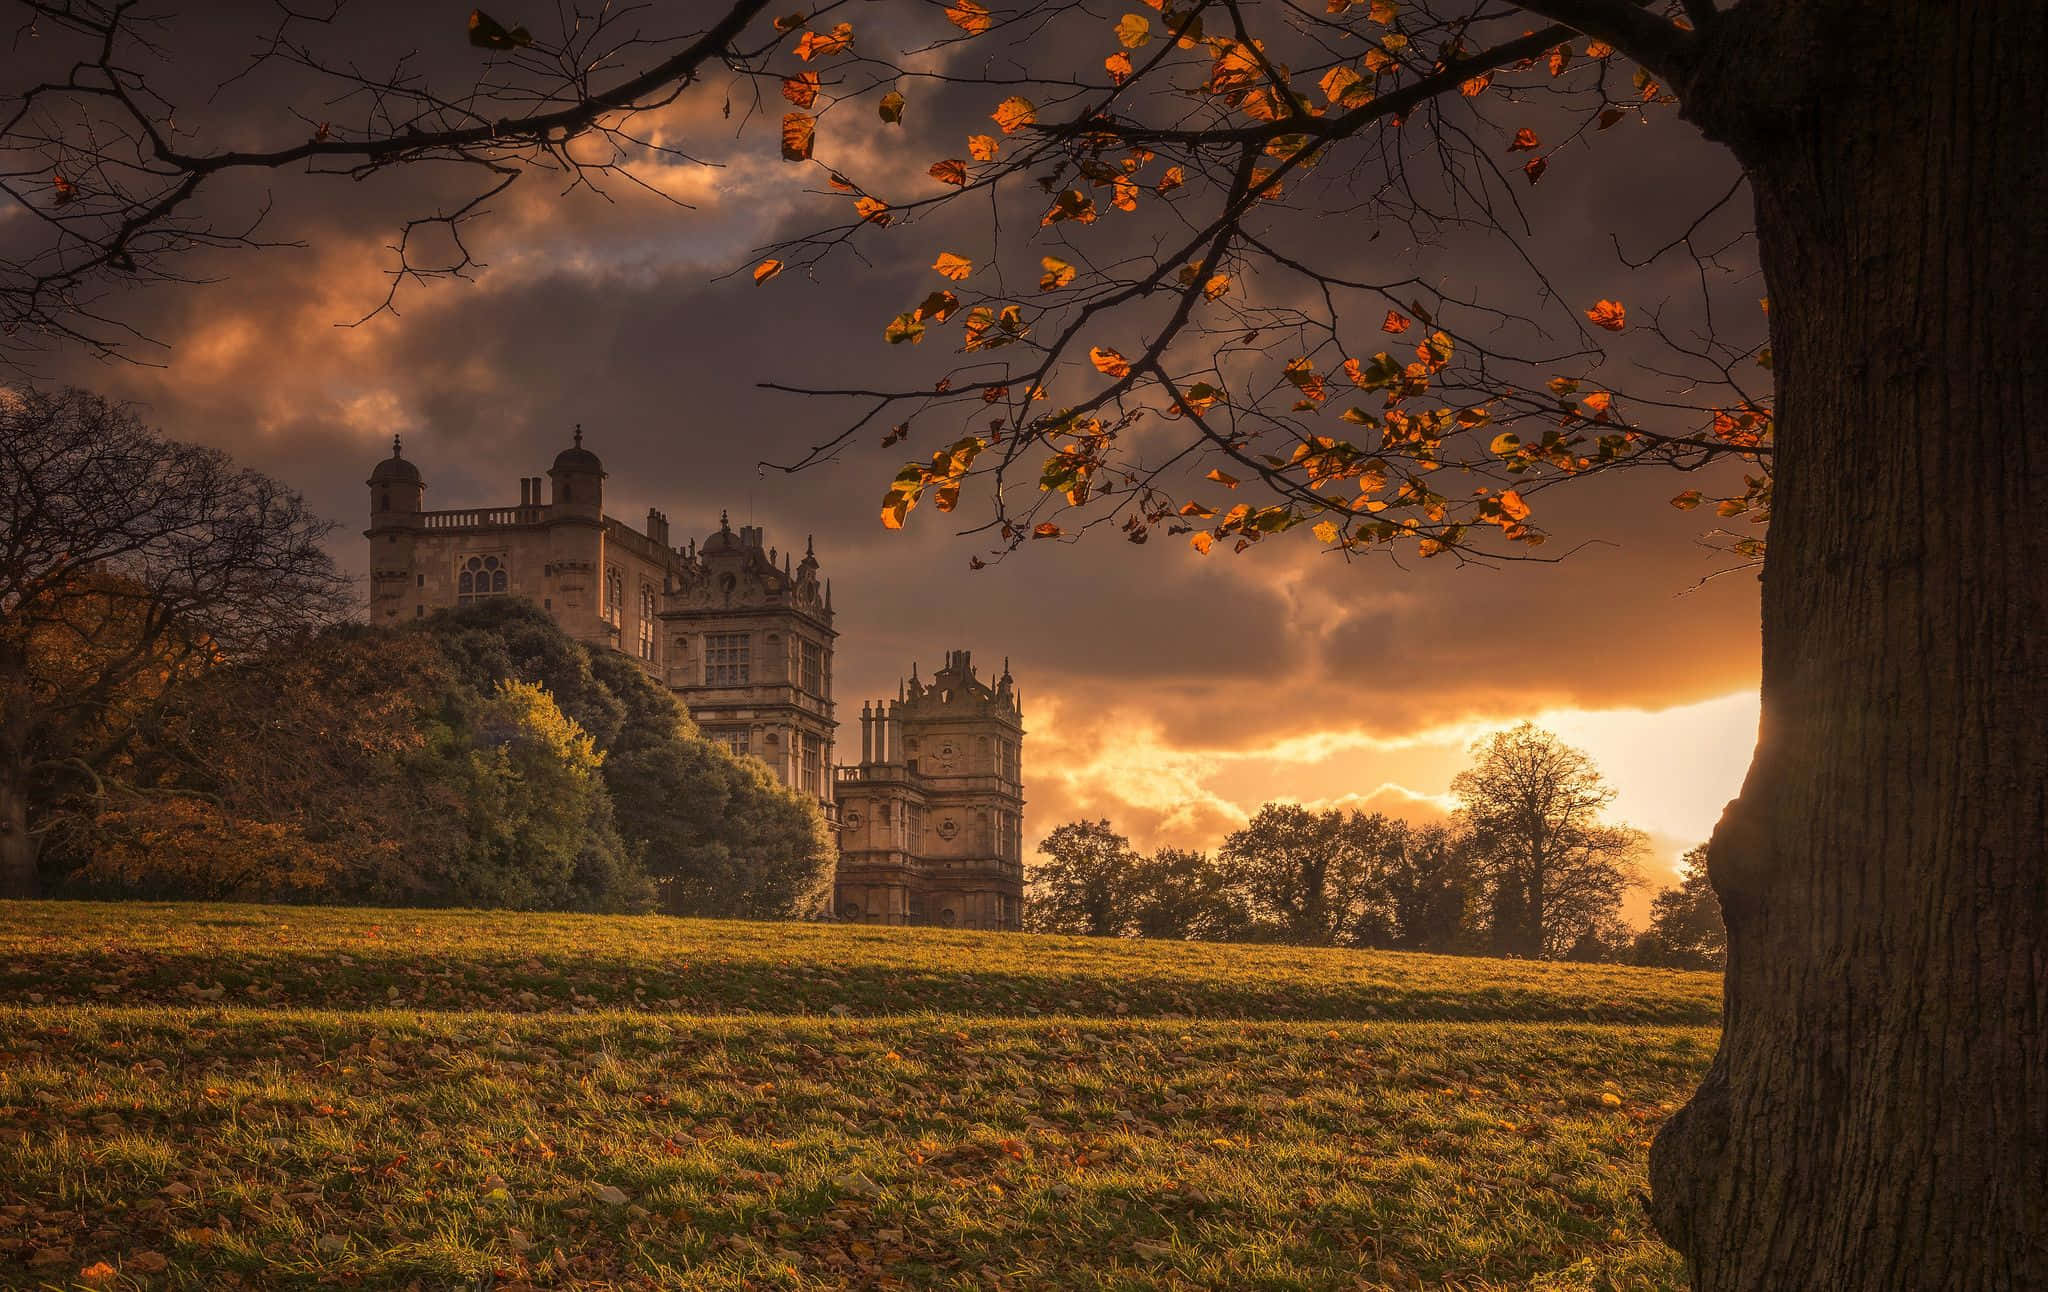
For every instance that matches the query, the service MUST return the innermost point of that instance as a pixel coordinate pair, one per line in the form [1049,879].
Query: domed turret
[578,478]
[396,489]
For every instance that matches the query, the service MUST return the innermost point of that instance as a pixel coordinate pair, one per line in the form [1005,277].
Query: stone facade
[930,826]
[931,818]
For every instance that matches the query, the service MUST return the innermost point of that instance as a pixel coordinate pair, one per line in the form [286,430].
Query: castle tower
[578,481]
[748,647]
[584,589]
[931,820]
[397,501]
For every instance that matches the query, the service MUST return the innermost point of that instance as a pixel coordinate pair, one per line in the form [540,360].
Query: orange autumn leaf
[983,147]
[1119,67]
[951,171]
[766,270]
[814,44]
[801,90]
[871,210]
[1512,506]
[1013,114]
[1524,140]
[1611,315]
[1396,323]
[1226,480]
[1535,167]
[1108,362]
[1175,176]
[798,129]
[968,17]
[951,266]
[1045,529]
[1473,87]
[1201,542]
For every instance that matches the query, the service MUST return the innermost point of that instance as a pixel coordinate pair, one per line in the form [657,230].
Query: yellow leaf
[904,327]
[983,147]
[1327,532]
[1339,81]
[766,270]
[1013,114]
[1201,542]
[952,266]
[1109,362]
[1133,30]
[797,131]
[1227,481]
[1058,273]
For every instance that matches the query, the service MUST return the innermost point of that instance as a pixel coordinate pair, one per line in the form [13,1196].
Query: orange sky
[1168,692]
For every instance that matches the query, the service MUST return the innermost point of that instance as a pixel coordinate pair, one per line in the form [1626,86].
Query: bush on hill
[479,757]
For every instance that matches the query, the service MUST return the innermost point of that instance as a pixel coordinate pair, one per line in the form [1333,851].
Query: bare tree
[1533,809]
[126,563]
[1861,1127]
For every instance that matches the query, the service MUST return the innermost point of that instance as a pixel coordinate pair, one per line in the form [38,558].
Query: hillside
[293,1097]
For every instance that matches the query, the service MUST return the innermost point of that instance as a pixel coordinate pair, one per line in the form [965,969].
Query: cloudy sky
[1168,692]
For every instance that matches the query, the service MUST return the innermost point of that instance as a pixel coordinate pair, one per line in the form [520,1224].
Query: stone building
[743,635]
[931,818]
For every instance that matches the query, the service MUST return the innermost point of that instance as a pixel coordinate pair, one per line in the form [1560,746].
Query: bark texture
[1877,1117]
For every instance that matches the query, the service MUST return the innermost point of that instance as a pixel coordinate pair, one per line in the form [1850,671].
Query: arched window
[480,576]
[614,595]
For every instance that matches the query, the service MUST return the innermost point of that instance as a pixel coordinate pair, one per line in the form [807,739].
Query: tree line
[189,715]
[1528,866]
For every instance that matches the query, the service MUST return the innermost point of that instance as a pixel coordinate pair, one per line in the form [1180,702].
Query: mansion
[930,818]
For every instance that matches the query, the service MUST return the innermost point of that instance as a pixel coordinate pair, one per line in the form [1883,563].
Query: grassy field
[205,1097]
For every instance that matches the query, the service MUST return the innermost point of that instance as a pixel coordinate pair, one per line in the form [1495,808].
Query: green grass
[396,1099]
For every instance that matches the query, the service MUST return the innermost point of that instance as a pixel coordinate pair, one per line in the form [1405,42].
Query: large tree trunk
[1877,1117]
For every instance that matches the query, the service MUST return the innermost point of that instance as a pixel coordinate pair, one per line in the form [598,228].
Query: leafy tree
[1431,890]
[325,745]
[1887,150]
[1314,878]
[128,563]
[540,833]
[181,848]
[1555,871]
[1685,930]
[1185,895]
[1086,884]
[720,834]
